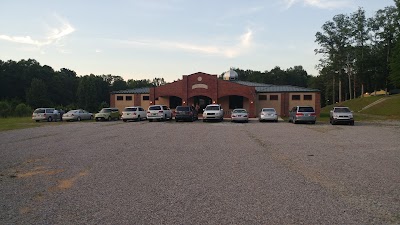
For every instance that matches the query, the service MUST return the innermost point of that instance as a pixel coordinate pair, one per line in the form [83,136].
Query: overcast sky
[168,38]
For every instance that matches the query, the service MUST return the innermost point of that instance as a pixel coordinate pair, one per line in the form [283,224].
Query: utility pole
[349,74]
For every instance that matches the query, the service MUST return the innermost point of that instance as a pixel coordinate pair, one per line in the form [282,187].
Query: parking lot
[200,173]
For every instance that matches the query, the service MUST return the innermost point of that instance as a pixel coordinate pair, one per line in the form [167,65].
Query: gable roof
[144,90]
[269,88]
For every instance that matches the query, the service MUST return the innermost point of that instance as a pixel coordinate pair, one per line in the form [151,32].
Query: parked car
[268,114]
[136,113]
[341,115]
[77,115]
[185,113]
[158,112]
[305,114]
[107,114]
[213,112]
[239,115]
[45,114]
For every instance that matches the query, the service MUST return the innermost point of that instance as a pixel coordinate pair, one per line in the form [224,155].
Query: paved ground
[200,173]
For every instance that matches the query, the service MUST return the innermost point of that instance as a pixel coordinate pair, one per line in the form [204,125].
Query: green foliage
[37,95]
[22,110]
[5,109]
[395,66]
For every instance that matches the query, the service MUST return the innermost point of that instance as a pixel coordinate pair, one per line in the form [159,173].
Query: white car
[268,114]
[213,112]
[239,115]
[136,113]
[158,112]
[77,115]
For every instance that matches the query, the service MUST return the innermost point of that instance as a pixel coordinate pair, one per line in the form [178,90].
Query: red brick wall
[112,100]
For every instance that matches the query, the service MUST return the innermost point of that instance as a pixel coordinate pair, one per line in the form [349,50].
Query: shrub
[5,109]
[22,110]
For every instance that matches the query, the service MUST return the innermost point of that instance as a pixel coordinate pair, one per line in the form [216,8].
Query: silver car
[304,114]
[77,115]
[45,114]
[268,114]
[239,115]
[341,115]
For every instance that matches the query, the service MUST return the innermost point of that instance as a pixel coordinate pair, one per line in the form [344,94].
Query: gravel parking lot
[200,173]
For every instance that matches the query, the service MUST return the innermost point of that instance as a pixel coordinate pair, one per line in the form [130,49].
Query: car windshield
[130,109]
[239,111]
[213,107]
[181,108]
[268,110]
[343,110]
[39,111]
[306,109]
[105,110]
[155,107]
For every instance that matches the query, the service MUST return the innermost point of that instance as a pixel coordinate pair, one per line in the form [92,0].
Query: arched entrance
[200,102]
[174,101]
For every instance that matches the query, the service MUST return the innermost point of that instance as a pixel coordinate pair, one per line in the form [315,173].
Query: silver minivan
[305,114]
[45,114]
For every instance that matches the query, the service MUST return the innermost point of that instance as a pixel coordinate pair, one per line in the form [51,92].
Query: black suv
[185,113]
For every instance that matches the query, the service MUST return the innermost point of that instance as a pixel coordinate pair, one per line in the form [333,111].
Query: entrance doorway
[200,102]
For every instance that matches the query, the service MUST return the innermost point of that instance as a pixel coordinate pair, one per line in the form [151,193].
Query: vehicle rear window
[105,110]
[39,111]
[130,109]
[182,108]
[156,107]
[239,111]
[214,107]
[268,110]
[342,110]
[306,109]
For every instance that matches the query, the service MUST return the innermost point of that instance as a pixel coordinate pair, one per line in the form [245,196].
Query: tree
[158,81]
[36,95]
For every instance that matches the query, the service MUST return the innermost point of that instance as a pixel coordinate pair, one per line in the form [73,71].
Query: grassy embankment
[388,109]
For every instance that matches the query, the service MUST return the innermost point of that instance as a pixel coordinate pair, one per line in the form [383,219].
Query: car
[239,115]
[77,115]
[341,115]
[302,114]
[136,113]
[158,112]
[107,114]
[185,113]
[268,114]
[45,114]
[213,112]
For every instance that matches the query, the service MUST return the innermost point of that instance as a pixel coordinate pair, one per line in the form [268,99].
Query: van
[45,114]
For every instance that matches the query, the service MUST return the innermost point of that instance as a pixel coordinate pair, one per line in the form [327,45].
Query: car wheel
[124,120]
[150,120]
[79,119]
[49,119]
[109,118]
[313,122]
[352,123]
[37,120]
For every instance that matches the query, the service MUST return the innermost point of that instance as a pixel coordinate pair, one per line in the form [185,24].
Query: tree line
[29,85]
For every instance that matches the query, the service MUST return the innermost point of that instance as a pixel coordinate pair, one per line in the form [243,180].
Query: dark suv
[185,113]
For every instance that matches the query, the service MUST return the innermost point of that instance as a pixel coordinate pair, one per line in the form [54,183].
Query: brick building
[202,89]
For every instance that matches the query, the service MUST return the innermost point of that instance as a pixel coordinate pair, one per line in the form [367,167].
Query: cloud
[55,35]
[322,4]
[245,43]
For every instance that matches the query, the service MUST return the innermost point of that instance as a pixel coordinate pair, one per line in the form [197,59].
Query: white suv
[158,112]
[213,112]
[133,113]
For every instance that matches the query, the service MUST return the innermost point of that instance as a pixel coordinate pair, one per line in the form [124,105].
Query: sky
[144,39]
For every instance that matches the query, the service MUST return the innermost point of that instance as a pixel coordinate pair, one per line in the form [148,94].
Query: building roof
[266,88]
[260,88]
[144,90]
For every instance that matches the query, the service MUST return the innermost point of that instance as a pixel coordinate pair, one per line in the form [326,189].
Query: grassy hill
[389,109]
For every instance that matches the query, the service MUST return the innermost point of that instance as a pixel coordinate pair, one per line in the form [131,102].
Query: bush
[5,109]
[22,110]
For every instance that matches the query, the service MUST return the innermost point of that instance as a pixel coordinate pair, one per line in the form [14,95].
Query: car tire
[109,118]
[78,119]
[37,120]
[352,123]
[124,120]
[150,120]
[49,119]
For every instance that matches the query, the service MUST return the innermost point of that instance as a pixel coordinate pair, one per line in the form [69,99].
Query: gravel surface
[200,173]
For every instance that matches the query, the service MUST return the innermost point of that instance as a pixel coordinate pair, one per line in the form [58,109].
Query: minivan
[304,114]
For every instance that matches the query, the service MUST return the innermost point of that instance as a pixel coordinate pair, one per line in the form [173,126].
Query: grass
[12,123]
[386,110]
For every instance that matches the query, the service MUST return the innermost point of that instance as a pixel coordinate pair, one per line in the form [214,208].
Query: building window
[262,97]
[295,97]
[120,98]
[307,97]
[273,97]
[146,97]
[128,98]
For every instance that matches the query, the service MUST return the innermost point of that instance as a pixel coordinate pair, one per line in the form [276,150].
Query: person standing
[56,115]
